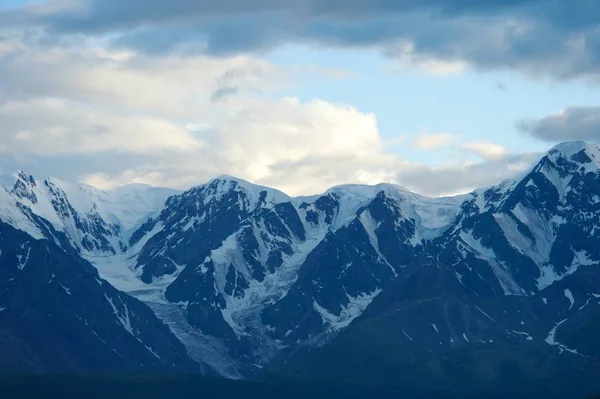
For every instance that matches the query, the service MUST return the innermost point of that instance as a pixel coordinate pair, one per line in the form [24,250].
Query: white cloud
[432,141]
[177,121]
[24,135]
[486,149]
[57,126]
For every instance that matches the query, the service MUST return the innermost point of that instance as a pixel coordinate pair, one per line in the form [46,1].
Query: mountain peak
[579,152]
[225,183]
[570,147]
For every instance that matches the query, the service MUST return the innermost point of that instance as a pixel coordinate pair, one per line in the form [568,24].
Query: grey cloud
[423,179]
[573,123]
[456,178]
[223,92]
[560,38]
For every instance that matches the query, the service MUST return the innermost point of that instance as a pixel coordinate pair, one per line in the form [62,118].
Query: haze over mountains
[370,283]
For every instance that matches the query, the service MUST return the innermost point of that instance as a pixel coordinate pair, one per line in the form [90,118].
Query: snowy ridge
[246,302]
[432,215]
[228,251]
[11,214]
[253,196]
[97,222]
[572,148]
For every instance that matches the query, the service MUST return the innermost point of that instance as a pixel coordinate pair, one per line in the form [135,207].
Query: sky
[440,96]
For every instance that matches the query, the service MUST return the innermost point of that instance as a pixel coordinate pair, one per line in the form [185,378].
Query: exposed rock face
[244,274]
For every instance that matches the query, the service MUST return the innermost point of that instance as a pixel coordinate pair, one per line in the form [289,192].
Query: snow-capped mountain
[97,222]
[248,259]
[244,274]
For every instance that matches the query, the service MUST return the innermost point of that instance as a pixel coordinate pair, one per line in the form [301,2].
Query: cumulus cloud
[110,117]
[572,123]
[433,141]
[558,38]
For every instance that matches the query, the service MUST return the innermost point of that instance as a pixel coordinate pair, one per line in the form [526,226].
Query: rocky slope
[245,275]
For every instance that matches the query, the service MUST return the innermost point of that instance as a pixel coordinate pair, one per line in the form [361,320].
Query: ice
[574,147]
[569,296]
[505,279]
[252,191]
[67,290]
[152,351]
[551,340]
[465,337]
[431,215]
[13,216]
[518,241]
[61,203]
[585,304]
[561,183]
[370,226]
[355,308]
[485,314]
[549,275]
[542,230]
[435,328]
[523,333]
[23,258]
[123,317]
[459,277]
[244,313]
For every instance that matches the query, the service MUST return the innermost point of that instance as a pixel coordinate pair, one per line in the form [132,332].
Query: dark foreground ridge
[159,386]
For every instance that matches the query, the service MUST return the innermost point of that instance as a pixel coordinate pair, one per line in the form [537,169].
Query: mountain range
[365,283]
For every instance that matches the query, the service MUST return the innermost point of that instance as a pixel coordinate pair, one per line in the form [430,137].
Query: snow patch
[485,314]
[569,296]
[351,311]
[370,225]
[67,290]
[123,319]
[551,339]
[508,284]
[23,259]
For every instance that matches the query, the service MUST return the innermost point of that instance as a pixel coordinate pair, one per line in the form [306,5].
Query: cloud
[54,126]
[572,123]
[486,149]
[111,117]
[433,141]
[462,178]
[547,37]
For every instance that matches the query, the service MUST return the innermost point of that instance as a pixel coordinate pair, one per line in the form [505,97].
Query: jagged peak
[9,180]
[577,151]
[225,183]
[368,191]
